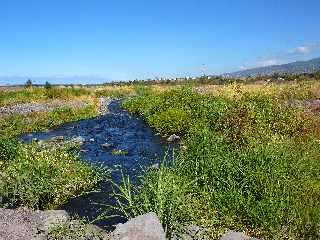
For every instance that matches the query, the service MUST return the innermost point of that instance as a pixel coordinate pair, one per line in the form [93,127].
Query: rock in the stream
[91,140]
[173,138]
[231,235]
[57,138]
[106,145]
[154,167]
[144,227]
[79,140]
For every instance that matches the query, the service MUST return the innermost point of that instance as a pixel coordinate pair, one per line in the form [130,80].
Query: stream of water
[122,131]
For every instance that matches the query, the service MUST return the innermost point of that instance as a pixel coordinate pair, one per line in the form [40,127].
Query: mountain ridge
[292,67]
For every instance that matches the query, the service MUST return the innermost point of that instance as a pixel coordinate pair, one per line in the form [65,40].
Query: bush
[44,178]
[9,150]
[16,125]
[251,156]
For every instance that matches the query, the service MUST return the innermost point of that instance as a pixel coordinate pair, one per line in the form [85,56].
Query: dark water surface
[125,132]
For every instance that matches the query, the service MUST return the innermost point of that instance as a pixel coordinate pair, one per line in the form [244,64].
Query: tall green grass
[42,178]
[250,164]
[17,124]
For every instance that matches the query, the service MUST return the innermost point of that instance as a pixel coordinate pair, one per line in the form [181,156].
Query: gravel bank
[26,108]
[26,224]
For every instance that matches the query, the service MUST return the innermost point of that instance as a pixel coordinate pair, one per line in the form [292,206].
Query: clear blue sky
[117,39]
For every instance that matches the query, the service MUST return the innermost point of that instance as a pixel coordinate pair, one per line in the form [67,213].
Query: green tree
[47,85]
[28,83]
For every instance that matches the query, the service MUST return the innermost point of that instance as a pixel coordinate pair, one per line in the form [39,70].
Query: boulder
[144,227]
[173,138]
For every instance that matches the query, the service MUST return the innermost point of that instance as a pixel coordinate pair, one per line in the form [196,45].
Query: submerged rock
[173,138]
[144,227]
[120,152]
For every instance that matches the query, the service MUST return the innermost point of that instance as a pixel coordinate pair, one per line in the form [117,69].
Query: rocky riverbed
[27,108]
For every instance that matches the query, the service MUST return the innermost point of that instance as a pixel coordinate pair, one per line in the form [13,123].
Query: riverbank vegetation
[18,124]
[250,162]
[249,159]
[39,178]
[42,178]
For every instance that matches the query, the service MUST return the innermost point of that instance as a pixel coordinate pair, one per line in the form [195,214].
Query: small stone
[154,166]
[106,145]
[57,138]
[91,140]
[144,227]
[78,139]
[173,138]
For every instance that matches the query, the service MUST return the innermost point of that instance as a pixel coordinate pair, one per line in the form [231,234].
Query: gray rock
[91,140]
[19,224]
[173,138]
[79,140]
[231,235]
[155,166]
[103,105]
[144,227]
[57,138]
[106,145]
[191,232]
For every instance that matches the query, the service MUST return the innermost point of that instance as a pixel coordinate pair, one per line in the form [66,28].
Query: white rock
[173,138]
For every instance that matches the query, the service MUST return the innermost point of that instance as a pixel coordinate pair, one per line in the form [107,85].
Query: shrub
[9,150]
[44,178]
[250,154]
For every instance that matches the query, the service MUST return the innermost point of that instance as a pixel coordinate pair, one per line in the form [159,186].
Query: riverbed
[103,137]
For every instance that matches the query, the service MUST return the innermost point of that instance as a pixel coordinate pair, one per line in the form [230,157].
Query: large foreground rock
[27,224]
[144,227]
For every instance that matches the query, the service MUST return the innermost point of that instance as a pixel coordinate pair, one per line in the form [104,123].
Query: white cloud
[269,62]
[262,62]
[305,49]
[298,53]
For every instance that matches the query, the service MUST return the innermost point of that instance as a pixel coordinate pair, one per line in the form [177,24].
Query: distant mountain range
[294,67]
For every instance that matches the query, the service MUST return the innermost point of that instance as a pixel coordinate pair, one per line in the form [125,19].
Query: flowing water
[122,131]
